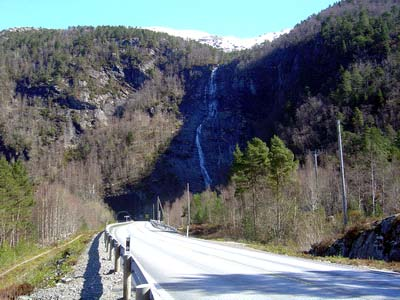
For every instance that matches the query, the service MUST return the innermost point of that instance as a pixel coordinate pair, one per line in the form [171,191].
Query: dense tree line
[343,59]
[16,203]
[273,199]
[341,64]
[87,111]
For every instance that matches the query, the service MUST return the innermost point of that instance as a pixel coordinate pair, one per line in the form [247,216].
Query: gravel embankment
[93,278]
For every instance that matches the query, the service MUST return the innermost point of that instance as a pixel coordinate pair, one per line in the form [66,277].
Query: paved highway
[186,268]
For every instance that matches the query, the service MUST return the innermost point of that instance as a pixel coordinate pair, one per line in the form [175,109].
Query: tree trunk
[373,189]
[254,212]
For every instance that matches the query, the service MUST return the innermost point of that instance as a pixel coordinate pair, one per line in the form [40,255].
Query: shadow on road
[311,285]
[92,286]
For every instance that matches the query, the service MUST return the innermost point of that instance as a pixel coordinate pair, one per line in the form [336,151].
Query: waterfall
[210,97]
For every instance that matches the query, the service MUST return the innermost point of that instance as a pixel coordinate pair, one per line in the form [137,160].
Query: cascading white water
[211,114]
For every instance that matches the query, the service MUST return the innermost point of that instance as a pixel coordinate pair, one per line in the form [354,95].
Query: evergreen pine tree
[282,167]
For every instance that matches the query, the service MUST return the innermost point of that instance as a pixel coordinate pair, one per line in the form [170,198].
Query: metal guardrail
[145,287]
[162,226]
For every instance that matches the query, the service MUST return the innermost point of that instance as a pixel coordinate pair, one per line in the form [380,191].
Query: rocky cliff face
[220,132]
[380,241]
[209,104]
[111,98]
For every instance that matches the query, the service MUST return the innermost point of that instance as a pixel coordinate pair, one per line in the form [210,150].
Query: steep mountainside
[339,64]
[343,60]
[201,152]
[89,110]
[146,112]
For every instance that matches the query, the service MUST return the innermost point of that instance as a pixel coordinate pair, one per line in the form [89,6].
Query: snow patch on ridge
[225,43]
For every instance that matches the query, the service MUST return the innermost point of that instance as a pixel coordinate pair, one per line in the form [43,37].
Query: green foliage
[200,213]
[251,166]
[44,271]
[358,120]
[207,207]
[249,231]
[370,142]
[16,202]
[217,209]
[129,138]
[80,152]
[282,164]
[52,63]
[361,84]
[10,255]
[344,58]
[258,163]
[346,84]
[376,145]
[352,35]
[259,167]
[353,142]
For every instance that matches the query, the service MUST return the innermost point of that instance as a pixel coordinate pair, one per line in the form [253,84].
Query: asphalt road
[186,268]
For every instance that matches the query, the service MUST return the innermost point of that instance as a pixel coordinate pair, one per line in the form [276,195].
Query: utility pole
[373,189]
[158,210]
[344,201]
[188,223]
[315,198]
[316,168]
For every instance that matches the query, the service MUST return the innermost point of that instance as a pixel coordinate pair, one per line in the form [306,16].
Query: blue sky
[242,18]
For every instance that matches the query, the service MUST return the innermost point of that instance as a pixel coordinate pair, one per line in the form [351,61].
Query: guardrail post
[105,238]
[128,244]
[117,258]
[109,239]
[143,292]
[127,278]
[110,249]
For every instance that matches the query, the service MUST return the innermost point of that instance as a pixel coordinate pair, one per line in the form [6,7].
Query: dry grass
[292,251]
[369,263]
[43,270]
[14,291]
[205,230]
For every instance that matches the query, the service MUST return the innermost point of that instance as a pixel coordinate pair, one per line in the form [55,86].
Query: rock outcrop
[379,240]
[218,139]
[180,163]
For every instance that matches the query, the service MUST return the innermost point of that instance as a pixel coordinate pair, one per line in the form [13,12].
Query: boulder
[380,240]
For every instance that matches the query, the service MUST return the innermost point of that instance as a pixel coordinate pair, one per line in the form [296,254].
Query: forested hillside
[342,64]
[342,60]
[127,114]
[86,111]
